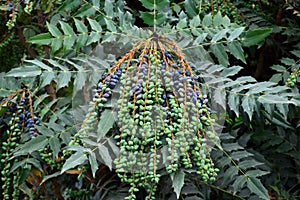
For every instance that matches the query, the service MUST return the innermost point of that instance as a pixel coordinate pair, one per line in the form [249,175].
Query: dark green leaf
[178,182]
[46,178]
[152,4]
[25,162]
[42,129]
[56,44]
[69,5]
[95,25]
[207,20]
[190,7]
[47,78]
[256,173]
[109,8]
[237,155]
[85,11]
[80,81]
[32,145]
[81,41]
[287,61]
[93,163]
[106,122]
[220,52]
[41,39]
[248,104]
[75,159]
[69,42]
[257,188]
[200,39]
[232,146]
[274,99]
[253,37]
[110,25]
[182,24]
[231,71]
[27,71]
[234,102]
[239,183]
[105,156]
[67,29]
[63,79]
[149,18]
[236,50]
[221,34]
[81,27]
[236,33]
[278,68]
[195,22]
[55,32]
[39,64]
[55,146]
[218,19]
[246,164]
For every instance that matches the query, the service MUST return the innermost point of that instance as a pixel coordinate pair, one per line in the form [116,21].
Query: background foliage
[247,52]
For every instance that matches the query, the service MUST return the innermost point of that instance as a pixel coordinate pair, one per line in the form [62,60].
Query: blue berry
[114,80]
[174,65]
[112,85]
[106,95]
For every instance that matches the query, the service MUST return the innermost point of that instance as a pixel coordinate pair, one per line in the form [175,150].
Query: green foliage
[74,141]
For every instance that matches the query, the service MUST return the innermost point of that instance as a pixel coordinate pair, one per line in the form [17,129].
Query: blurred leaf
[41,39]
[220,52]
[32,145]
[207,20]
[63,79]
[195,22]
[236,50]
[221,34]
[236,33]
[27,71]
[95,25]
[93,163]
[106,122]
[55,32]
[105,156]
[81,27]
[149,18]
[54,145]
[274,99]
[75,159]
[178,182]
[152,4]
[253,37]
[257,188]
[190,7]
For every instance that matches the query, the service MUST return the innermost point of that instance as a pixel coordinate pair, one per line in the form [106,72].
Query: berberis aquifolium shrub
[162,115]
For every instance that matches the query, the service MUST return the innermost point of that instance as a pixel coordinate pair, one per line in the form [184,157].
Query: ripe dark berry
[174,65]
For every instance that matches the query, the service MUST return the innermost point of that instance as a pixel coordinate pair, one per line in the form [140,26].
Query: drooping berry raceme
[17,119]
[162,115]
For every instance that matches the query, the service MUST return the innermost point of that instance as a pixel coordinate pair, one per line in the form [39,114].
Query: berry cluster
[163,117]
[291,81]
[17,119]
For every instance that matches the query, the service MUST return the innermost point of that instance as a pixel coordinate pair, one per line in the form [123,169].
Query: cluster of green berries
[161,112]
[9,141]
[13,7]
[16,121]
[291,81]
